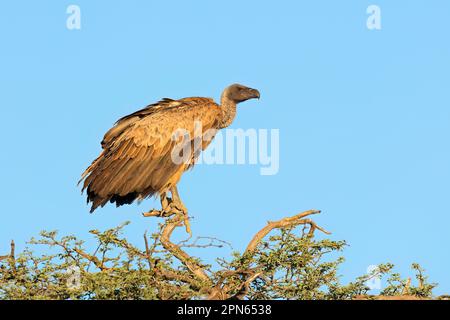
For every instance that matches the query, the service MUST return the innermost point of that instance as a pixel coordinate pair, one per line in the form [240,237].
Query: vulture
[137,160]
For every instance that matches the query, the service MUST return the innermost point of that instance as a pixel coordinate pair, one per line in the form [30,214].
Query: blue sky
[363,117]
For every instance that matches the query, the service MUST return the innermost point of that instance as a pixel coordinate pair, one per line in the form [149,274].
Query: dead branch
[11,256]
[188,261]
[406,288]
[221,291]
[283,224]
[213,242]
[148,253]
[245,287]
[99,264]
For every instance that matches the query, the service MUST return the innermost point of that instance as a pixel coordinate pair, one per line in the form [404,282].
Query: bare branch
[213,242]
[285,223]
[11,256]
[245,287]
[148,253]
[406,287]
[99,264]
[221,291]
[181,255]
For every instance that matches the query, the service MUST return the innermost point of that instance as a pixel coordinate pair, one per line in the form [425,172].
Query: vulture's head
[239,93]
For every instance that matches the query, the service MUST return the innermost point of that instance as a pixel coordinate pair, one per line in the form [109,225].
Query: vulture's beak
[255,94]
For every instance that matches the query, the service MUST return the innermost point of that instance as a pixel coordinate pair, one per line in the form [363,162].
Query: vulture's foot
[167,211]
[171,206]
[158,213]
[172,209]
[177,207]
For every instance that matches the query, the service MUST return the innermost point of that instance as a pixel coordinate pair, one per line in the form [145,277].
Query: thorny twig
[213,242]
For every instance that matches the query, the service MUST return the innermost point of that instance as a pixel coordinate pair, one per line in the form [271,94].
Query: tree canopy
[284,260]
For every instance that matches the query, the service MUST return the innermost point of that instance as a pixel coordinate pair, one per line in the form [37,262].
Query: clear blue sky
[364,117]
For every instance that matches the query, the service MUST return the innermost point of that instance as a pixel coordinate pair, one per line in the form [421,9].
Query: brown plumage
[137,162]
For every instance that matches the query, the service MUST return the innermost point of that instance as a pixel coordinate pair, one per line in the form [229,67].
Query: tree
[284,260]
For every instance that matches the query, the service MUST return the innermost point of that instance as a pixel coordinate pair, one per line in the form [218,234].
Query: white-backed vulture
[137,160]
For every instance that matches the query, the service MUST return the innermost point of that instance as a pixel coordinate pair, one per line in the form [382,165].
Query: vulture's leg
[164,201]
[170,207]
[178,205]
[176,200]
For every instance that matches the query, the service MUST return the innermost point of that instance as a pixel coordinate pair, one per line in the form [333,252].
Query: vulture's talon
[171,209]
[180,208]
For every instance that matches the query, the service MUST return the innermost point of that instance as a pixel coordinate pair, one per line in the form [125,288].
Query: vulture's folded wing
[137,159]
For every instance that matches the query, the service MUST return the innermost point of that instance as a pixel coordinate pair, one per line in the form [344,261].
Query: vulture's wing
[137,158]
[124,122]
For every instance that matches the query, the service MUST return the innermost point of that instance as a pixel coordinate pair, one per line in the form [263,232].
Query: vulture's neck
[228,113]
